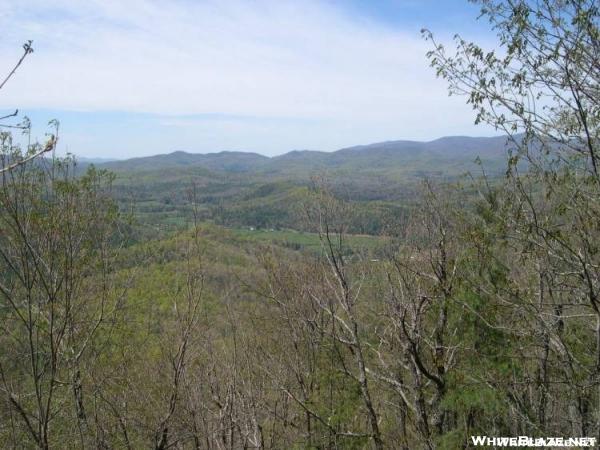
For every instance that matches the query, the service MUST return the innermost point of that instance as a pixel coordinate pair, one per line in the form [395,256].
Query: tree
[56,294]
[57,238]
[543,81]
[542,88]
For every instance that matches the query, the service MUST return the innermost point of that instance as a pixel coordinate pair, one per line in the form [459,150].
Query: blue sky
[140,77]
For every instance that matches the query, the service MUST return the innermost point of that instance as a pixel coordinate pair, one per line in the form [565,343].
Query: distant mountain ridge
[227,161]
[450,153]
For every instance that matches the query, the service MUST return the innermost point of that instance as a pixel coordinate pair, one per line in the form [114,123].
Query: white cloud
[285,59]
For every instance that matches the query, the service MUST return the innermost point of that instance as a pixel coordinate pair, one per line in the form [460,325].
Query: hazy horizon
[216,151]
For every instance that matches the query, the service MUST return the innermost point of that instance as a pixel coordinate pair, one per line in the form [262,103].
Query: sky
[139,77]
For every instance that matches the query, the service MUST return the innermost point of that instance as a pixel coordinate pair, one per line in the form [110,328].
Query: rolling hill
[447,154]
[249,189]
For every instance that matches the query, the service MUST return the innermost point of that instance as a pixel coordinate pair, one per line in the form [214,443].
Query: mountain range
[445,155]
[252,190]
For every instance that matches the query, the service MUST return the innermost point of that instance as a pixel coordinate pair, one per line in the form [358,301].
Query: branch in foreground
[50,145]
[27,50]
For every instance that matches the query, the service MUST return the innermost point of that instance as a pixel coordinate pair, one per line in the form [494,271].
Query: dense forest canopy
[232,302]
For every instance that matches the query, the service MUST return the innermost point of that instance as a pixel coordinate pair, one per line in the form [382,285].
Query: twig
[28,49]
[10,115]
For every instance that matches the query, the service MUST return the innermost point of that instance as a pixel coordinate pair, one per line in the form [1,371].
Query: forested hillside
[249,190]
[401,295]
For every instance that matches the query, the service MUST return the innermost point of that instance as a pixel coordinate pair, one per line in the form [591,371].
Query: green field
[310,241]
